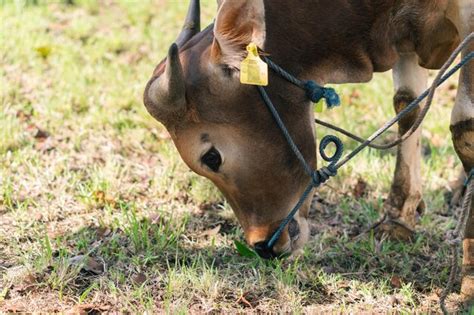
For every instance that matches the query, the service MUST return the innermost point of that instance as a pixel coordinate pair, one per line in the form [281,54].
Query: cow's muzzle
[267,252]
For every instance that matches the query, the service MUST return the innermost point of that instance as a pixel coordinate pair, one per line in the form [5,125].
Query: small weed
[84,295]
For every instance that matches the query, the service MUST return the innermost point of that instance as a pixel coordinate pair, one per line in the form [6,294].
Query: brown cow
[224,132]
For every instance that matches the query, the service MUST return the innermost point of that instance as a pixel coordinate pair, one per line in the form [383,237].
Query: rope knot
[316,92]
[322,175]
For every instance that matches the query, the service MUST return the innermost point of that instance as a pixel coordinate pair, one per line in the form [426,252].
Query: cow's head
[223,130]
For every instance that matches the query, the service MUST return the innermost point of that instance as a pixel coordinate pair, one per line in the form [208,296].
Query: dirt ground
[99,214]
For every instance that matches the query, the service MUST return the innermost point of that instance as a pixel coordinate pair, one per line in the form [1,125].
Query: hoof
[396,230]
[400,224]
[407,211]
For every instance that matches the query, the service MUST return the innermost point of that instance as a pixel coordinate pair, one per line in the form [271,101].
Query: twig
[243,300]
[372,227]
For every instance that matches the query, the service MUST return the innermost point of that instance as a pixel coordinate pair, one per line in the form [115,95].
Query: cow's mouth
[295,241]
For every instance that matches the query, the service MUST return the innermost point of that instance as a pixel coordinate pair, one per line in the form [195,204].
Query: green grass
[85,172]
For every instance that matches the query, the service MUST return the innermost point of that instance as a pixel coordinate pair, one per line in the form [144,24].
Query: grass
[98,213]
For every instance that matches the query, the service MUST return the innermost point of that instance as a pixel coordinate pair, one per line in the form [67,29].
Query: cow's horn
[165,95]
[192,24]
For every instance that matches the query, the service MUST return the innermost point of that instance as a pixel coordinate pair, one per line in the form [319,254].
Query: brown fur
[463,140]
[327,40]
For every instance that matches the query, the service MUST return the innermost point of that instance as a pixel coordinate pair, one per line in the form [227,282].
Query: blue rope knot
[322,175]
[316,92]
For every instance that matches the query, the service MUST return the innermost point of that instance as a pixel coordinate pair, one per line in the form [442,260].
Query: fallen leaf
[139,278]
[87,263]
[103,198]
[110,200]
[88,309]
[360,189]
[99,196]
[94,266]
[103,232]
[30,279]
[23,116]
[41,134]
[211,232]
[244,301]
[396,282]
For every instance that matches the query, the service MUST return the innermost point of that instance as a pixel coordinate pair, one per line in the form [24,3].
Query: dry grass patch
[98,213]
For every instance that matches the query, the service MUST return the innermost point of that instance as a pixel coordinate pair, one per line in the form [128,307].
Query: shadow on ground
[150,263]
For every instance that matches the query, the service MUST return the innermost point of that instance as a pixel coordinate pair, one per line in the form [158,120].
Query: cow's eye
[212,159]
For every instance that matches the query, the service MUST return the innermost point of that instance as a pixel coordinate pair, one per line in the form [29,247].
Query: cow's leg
[462,130]
[405,198]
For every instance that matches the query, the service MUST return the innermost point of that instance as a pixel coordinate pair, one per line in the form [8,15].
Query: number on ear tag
[253,70]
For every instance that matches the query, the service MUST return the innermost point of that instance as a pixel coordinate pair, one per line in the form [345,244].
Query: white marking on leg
[407,74]
[463,107]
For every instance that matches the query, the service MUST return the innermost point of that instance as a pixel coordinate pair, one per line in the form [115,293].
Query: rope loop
[322,175]
[325,141]
[316,92]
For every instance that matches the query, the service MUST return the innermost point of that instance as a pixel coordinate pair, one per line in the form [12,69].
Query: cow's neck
[333,41]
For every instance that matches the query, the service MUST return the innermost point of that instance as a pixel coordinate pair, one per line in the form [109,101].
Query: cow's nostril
[264,251]
[293,229]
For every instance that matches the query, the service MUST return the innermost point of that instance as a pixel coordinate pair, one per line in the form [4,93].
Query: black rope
[412,106]
[315,92]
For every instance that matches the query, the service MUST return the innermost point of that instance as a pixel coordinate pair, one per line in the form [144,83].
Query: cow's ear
[238,23]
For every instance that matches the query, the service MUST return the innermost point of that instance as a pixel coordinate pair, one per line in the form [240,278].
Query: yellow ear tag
[319,107]
[253,70]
